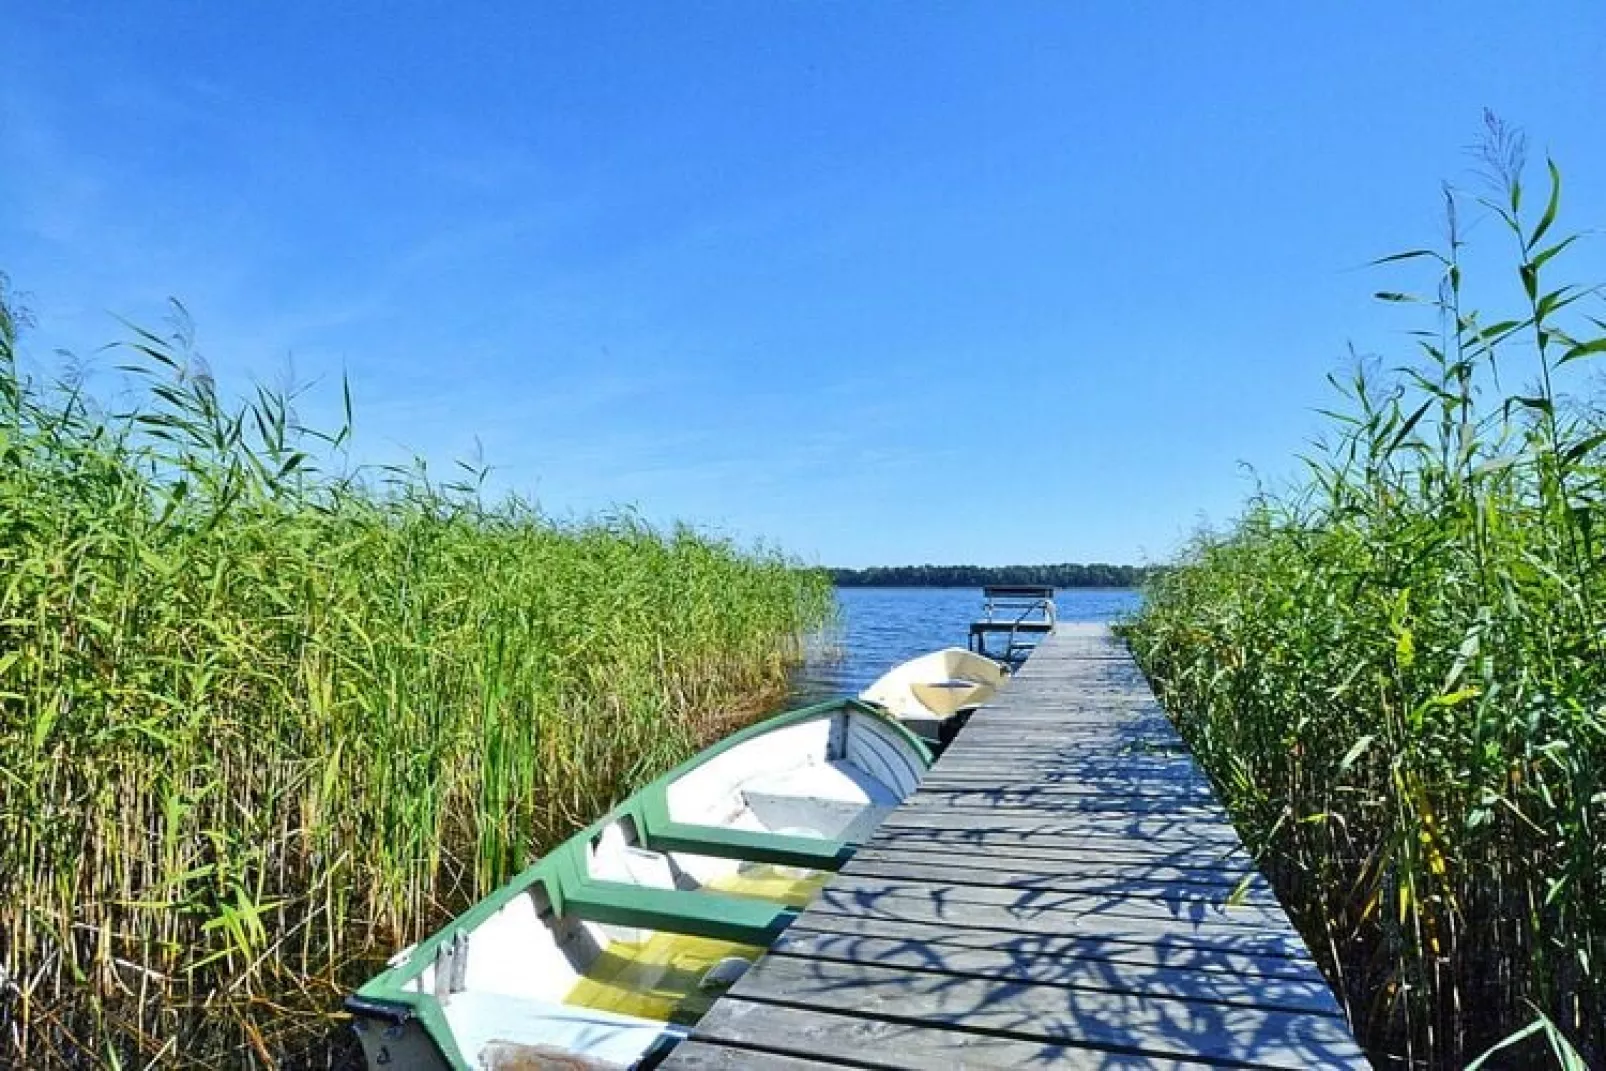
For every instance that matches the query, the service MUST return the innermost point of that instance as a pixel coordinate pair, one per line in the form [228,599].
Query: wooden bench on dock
[1063,890]
[1021,613]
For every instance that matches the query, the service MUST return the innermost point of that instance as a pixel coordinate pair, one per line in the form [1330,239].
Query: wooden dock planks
[1063,890]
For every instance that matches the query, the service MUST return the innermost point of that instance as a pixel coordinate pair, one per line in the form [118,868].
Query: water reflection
[879,627]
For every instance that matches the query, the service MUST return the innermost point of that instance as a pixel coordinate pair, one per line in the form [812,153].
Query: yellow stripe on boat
[657,978]
[791,886]
[661,978]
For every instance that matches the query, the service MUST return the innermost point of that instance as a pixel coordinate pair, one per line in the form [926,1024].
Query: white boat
[605,953]
[929,693]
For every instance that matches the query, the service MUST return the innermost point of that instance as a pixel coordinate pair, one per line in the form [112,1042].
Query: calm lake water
[880,627]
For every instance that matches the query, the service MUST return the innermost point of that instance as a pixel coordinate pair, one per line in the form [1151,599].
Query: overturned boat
[605,952]
[931,693]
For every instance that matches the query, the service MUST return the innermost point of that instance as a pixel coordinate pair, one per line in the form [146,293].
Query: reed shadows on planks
[1062,890]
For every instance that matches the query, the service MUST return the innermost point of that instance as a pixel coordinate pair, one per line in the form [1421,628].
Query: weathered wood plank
[1026,964]
[1060,750]
[1057,754]
[1077,767]
[915,844]
[1082,700]
[1143,951]
[1049,803]
[696,1055]
[1152,883]
[1063,742]
[1178,863]
[1177,790]
[1065,828]
[1064,737]
[870,1042]
[1181,782]
[1248,941]
[1031,843]
[1068,719]
[1031,907]
[1068,776]
[1146,1023]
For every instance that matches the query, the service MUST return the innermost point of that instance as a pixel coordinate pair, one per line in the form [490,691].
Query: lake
[879,627]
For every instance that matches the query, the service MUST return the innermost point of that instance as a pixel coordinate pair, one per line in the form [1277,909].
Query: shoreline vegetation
[1066,575]
[265,725]
[1394,671]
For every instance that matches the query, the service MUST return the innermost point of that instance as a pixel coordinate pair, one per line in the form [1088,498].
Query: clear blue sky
[880,283]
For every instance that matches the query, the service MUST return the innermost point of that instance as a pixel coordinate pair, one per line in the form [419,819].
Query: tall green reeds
[1396,672]
[261,726]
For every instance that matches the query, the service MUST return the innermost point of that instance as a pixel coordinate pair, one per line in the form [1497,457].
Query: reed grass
[1393,670]
[262,725]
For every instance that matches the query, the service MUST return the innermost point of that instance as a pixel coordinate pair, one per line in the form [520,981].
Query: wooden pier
[1063,890]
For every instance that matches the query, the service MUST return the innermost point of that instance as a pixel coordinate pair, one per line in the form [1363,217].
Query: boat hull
[931,693]
[594,952]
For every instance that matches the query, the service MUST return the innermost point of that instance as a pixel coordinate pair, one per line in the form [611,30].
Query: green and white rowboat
[607,950]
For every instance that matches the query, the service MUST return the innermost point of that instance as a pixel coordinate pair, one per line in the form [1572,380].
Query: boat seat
[726,918]
[778,849]
[500,1032]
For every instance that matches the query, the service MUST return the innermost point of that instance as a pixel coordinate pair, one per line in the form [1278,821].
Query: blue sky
[879,283]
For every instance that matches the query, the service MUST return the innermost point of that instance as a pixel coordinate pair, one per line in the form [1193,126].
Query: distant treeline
[1066,575]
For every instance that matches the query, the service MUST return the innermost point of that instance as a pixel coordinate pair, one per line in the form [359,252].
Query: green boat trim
[701,914]
[779,849]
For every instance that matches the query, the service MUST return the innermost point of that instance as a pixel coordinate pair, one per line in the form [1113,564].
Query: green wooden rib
[744,920]
[779,849]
